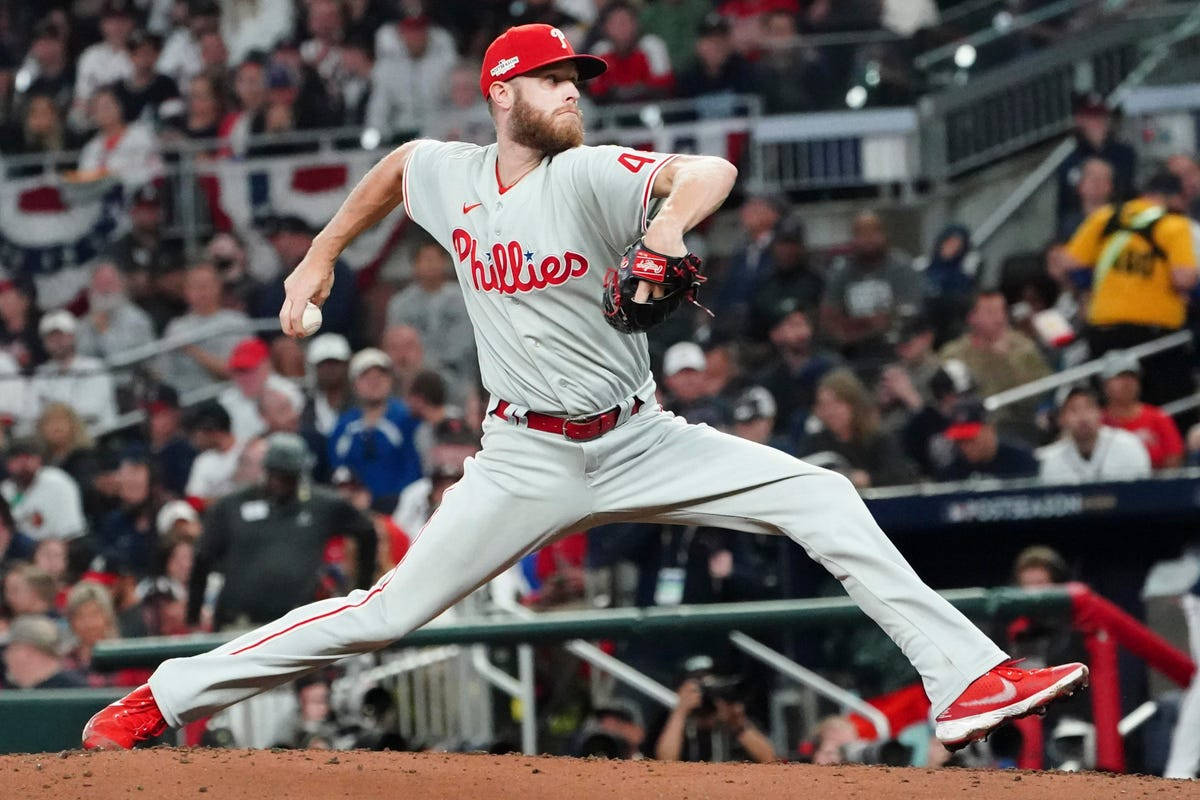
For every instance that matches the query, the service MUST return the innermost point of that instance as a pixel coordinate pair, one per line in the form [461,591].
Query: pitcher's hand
[312,279]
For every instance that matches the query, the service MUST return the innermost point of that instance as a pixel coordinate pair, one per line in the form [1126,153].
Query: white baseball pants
[525,488]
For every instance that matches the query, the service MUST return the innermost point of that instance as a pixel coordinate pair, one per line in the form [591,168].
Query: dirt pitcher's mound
[318,774]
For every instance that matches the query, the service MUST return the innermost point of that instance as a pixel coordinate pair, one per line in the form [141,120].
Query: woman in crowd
[69,447]
[852,440]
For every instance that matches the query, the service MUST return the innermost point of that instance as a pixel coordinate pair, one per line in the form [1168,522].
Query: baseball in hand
[311,321]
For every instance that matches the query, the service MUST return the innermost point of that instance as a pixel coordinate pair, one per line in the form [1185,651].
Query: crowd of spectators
[136,502]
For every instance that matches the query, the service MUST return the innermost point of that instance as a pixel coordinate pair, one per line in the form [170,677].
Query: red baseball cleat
[1003,693]
[119,726]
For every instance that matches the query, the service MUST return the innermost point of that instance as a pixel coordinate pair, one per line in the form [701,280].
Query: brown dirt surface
[323,774]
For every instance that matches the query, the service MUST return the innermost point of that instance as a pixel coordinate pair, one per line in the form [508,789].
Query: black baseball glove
[678,275]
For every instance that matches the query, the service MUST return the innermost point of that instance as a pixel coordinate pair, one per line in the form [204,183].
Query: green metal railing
[625,623]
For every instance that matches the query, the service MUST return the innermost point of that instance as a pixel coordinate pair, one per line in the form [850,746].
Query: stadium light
[371,137]
[964,56]
[871,76]
[1002,21]
[856,97]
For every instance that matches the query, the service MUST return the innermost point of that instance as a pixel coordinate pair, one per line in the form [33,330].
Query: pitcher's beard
[546,133]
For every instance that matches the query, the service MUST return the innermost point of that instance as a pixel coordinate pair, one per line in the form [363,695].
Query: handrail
[557,626]
[806,677]
[1085,370]
[1183,404]
[166,344]
[1160,49]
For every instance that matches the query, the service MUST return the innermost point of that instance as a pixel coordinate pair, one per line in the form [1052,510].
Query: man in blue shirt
[375,439]
[982,453]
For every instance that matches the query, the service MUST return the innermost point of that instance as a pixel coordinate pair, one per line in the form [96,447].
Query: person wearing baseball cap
[170,451]
[376,438]
[688,393]
[1124,409]
[980,452]
[1088,450]
[328,358]
[33,658]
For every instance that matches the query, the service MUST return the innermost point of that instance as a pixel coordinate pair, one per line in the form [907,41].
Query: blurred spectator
[107,61]
[314,106]
[682,25]
[14,400]
[250,25]
[177,522]
[315,726]
[48,70]
[28,589]
[203,110]
[113,325]
[1000,358]
[793,373]
[723,367]
[291,237]
[280,406]
[39,130]
[171,454]
[833,735]
[715,66]
[14,545]
[422,497]
[403,346]
[409,79]
[328,360]
[391,541]
[151,262]
[749,16]
[426,398]
[248,471]
[852,440]
[68,446]
[356,66]
[1186,168]
[92,619]
[127,535]
[1123,409]
[793,76]
[1038,566]
[212,474]
[51,556]
[146,94]
[251,371]
[1094,190]
[688,393]
[126,152]
[464,115]
[229,255]
[433,305]
[791,279]
[363,18]
[754,419]
[697,711]
[196,365]
[32,660]
[82,382]
[250,92]
[43,499]
[375,439]
[162,603]
[867,291]
[981,451]
[614,729]
[19,325]
[751,262]
[408,36]
[247,534]
[903,386]
[181,59]
[948,281]
[638,65]
[1143,265]
[1094,138]
[1088,450]
[323,49]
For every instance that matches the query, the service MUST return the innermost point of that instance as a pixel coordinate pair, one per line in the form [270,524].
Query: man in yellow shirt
[1143,268]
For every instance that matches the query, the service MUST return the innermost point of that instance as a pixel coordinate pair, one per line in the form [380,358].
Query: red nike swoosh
[467,208]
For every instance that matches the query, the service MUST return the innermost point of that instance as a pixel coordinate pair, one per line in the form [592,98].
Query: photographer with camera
[708,711]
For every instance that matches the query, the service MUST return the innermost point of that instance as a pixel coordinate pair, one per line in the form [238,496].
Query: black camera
[718,687]
[890,753]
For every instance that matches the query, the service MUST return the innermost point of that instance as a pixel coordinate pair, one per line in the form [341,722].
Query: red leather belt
[580,429]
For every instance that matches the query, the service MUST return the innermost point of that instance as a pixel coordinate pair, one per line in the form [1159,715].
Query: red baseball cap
[524,48]
[248,354]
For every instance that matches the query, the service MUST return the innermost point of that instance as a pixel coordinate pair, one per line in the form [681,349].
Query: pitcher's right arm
[375,196]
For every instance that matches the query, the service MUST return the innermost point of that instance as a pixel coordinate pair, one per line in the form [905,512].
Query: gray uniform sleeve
[425,176]
[614,185]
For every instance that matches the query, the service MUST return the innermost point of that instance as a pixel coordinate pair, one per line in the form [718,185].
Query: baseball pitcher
[566,254]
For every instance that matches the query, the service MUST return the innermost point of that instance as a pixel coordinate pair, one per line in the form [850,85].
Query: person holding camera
[708,711]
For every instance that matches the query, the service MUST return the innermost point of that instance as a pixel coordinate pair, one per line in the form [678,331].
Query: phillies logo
[511,269]
[562,39]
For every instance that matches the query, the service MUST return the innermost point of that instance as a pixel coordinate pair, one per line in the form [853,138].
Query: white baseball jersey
[531,260]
